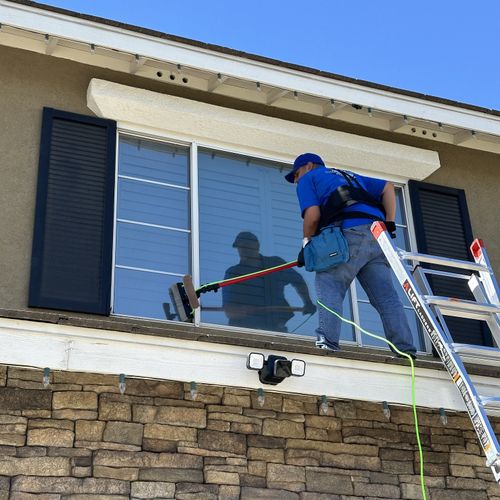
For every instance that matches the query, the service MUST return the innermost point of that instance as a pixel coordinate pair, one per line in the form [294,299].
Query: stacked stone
[81,439]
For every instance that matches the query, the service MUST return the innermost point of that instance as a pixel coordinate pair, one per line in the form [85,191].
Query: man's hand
[391,228]
[309,308]
[300,258]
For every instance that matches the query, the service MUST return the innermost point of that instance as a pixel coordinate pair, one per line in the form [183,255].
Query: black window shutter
[442,227]
[73,233]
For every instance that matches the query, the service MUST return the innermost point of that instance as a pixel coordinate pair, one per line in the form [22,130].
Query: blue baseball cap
[302,160]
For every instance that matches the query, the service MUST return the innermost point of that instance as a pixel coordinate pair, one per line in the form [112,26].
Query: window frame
[193,169]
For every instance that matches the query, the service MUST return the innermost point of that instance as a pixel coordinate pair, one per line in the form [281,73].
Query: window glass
[153,161]
[152,248]
[250,220]
[140,201]
[143,294]
[152,227]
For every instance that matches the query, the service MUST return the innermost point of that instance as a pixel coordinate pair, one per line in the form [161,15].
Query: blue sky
[445,48]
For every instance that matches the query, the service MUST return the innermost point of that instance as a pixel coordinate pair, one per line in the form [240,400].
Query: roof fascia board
[85,31]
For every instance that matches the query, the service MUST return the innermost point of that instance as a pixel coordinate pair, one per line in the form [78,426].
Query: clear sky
[445,48]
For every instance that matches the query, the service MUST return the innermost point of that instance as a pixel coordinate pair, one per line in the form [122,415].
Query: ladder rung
[442,261]
[478,354]
[452,304]
[446,274]
[490,401]
[495,468]
[494,463]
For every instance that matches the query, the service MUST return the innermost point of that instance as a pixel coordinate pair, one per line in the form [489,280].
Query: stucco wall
[31,81]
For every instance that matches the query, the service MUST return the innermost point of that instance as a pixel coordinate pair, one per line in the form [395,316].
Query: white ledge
[61,347]
[253,134]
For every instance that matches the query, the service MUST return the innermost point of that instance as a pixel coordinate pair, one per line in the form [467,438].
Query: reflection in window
[249,221]
[260,303]
[152,225]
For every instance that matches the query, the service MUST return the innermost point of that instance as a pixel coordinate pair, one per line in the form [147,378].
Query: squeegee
[185,297]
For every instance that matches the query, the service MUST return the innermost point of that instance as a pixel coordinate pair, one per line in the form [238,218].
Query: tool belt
[327,249]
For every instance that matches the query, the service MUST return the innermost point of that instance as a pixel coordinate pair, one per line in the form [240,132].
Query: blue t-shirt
[315,187]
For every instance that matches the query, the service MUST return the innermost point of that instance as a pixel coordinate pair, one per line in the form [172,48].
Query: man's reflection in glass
[260,303]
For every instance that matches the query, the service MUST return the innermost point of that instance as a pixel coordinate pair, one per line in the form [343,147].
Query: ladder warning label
[431,330]
[475,418]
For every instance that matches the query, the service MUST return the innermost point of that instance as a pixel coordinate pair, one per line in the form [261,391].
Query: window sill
[175,330]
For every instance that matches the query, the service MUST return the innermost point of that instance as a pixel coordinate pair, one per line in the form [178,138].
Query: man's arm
[389,201]
[312,216]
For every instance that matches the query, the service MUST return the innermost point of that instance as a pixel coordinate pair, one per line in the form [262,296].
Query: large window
[248,219]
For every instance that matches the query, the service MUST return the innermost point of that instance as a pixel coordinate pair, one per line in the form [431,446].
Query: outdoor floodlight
[275,369]
[255,361]
[298,367]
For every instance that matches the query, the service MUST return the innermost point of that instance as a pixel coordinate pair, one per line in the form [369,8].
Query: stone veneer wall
[82,439]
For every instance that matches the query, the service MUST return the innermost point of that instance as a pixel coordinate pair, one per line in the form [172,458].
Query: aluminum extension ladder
[431,309]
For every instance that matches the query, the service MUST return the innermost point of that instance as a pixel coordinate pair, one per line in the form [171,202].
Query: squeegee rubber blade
[187,280]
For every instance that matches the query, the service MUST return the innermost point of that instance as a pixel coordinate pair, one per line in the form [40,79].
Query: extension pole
[251,276]
[185,297]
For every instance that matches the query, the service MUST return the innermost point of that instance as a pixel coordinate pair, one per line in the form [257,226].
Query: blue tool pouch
[326,250]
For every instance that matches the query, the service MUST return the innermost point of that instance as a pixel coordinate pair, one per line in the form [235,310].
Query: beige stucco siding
[30,81]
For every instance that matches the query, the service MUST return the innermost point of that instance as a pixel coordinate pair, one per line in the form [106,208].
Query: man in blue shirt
[324,198]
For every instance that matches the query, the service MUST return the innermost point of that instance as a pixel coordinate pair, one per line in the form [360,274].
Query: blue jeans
[367,262]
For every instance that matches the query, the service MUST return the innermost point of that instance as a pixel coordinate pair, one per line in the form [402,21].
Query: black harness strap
[345,196]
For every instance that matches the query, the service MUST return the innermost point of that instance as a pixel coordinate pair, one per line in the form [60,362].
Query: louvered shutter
[72,243]
[442,227]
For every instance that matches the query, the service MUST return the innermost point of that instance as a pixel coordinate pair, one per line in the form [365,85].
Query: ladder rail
[488,278]
[486,286]
[450,359]
[480,294]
